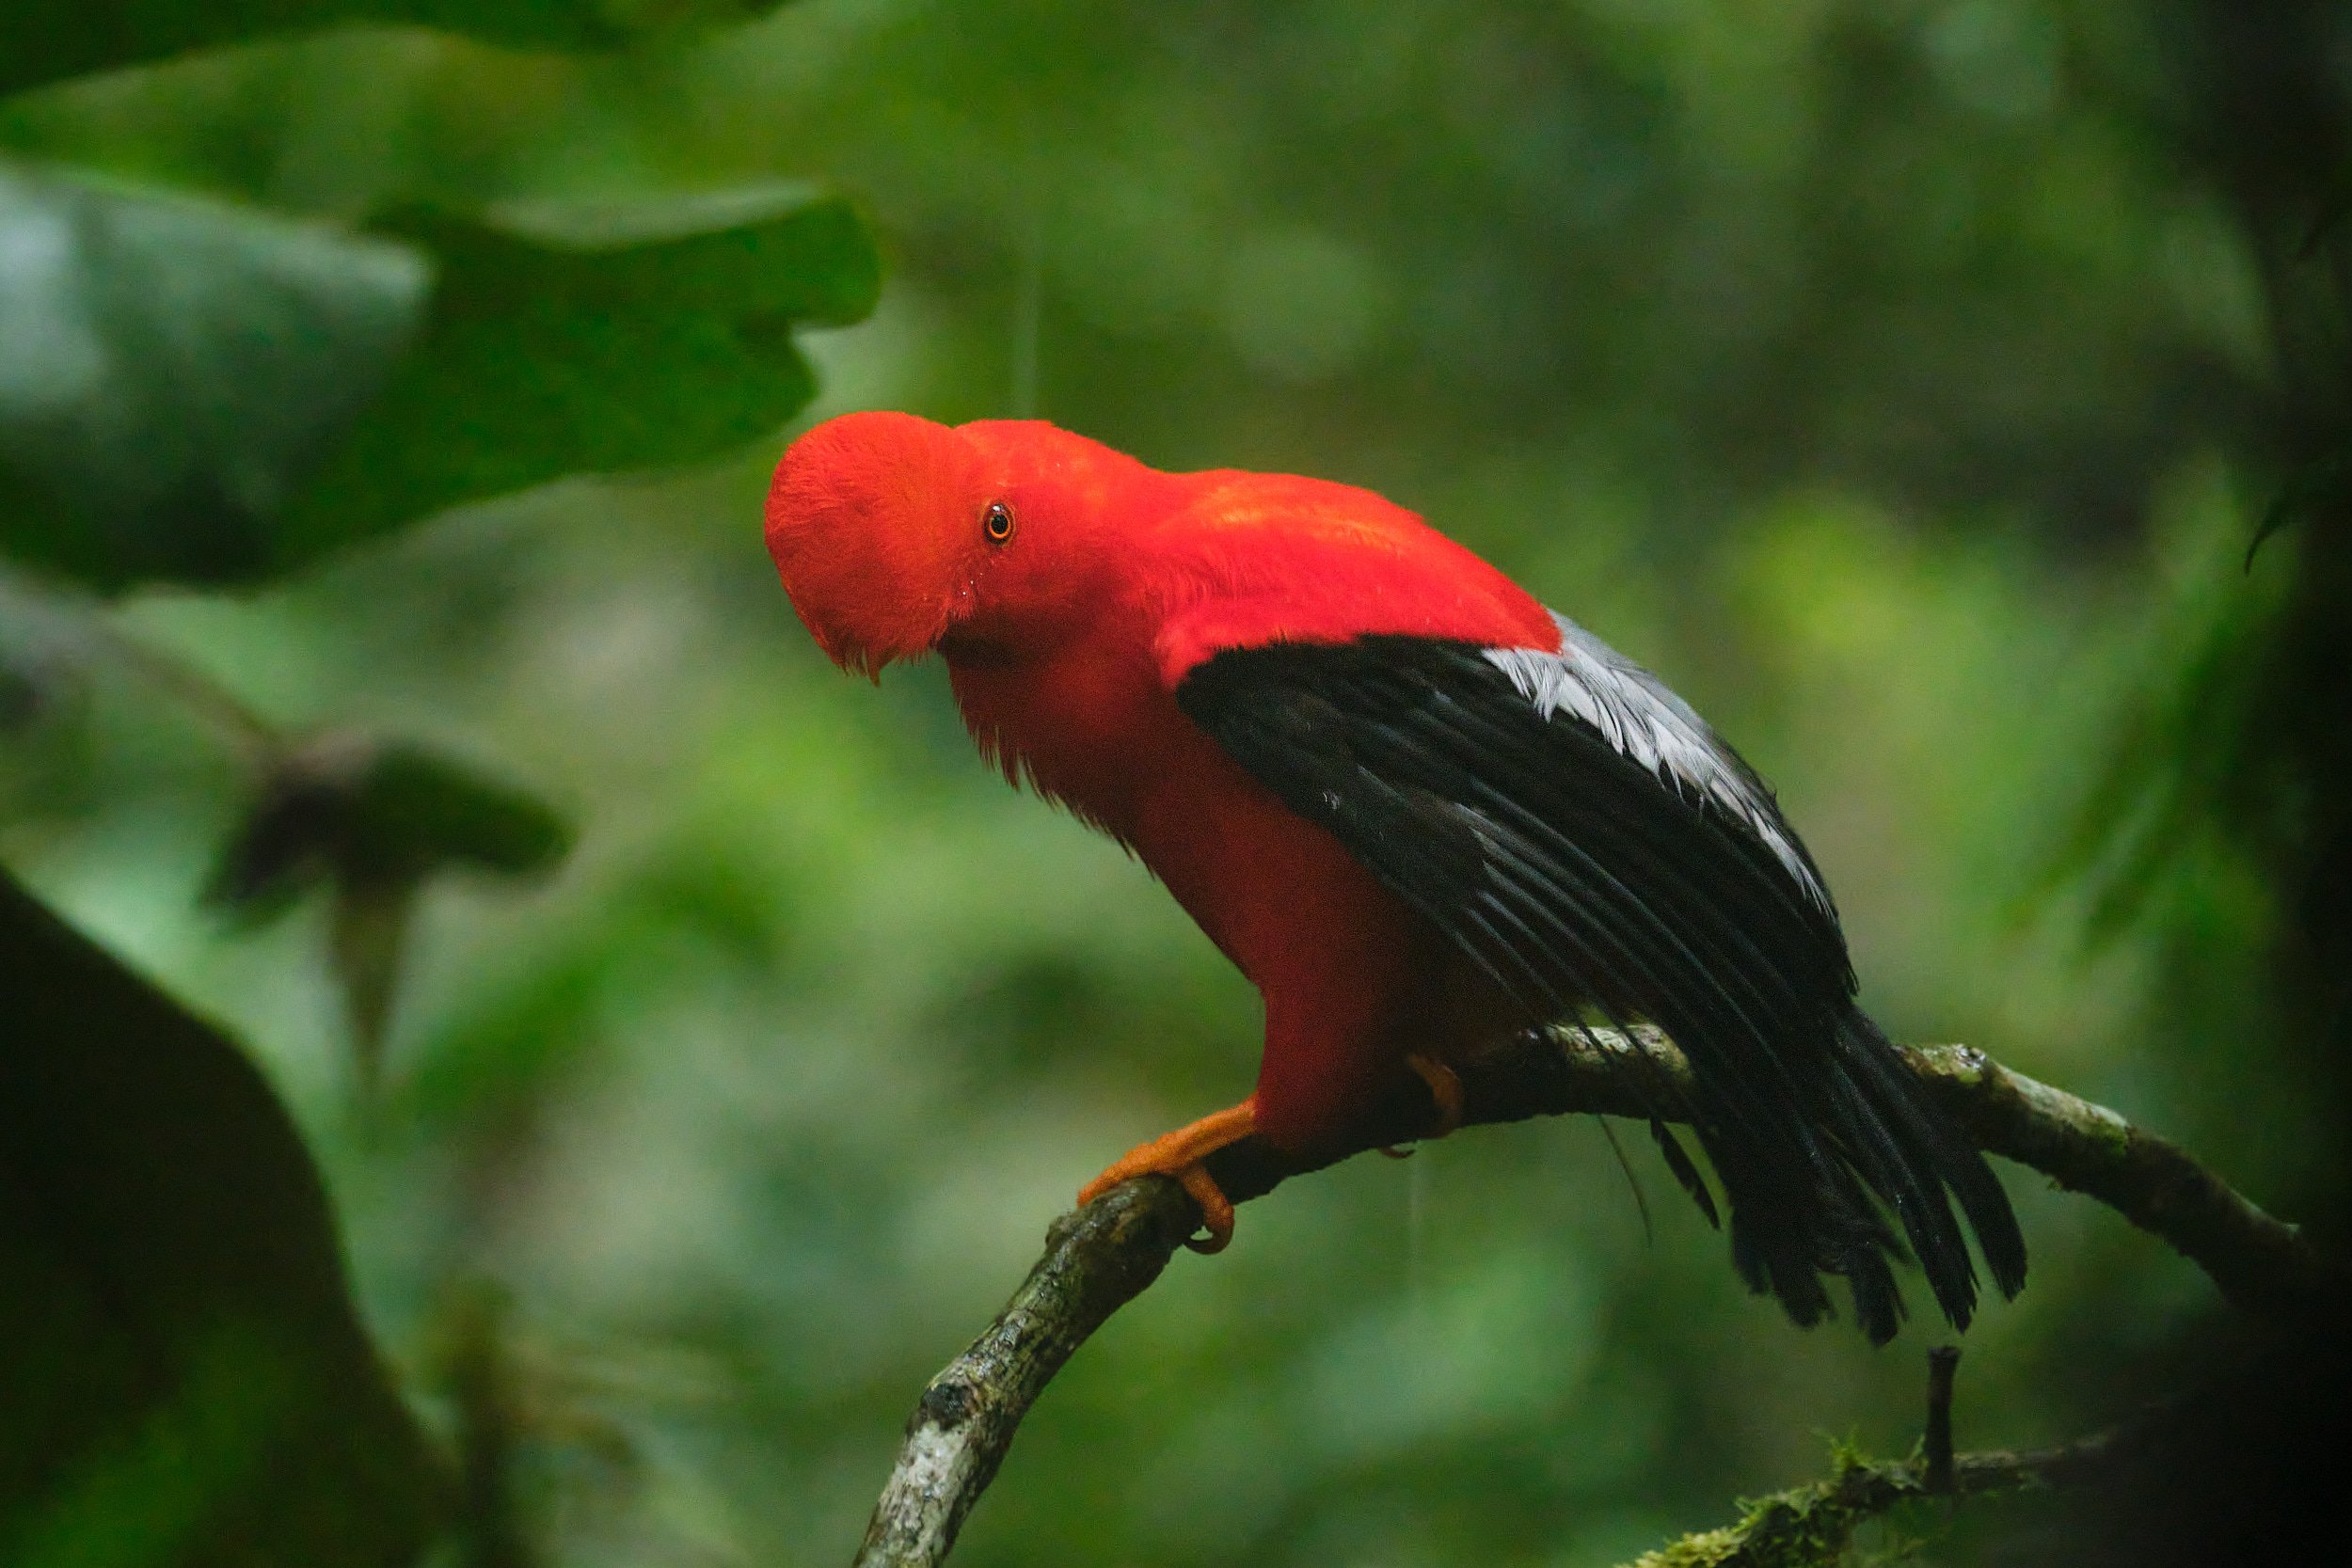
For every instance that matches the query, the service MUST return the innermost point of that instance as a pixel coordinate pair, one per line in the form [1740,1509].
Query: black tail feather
[1878,1148]
[1940,1149]
[1684,1171]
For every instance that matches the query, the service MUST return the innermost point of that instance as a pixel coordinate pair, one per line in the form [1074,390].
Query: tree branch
[1811,1526]
[1101,1256]
[2263,1266]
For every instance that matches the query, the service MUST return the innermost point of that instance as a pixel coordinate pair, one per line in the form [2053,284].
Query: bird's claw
[1445,1087]
[1216,1210]
[1178,1154]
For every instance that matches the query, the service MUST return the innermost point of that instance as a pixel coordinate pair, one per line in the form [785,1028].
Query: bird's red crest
[872,520]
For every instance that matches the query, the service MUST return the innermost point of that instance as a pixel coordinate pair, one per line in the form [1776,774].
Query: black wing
[1588,841]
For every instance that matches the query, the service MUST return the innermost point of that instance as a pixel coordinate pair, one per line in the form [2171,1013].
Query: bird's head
[877,529]
[893,534]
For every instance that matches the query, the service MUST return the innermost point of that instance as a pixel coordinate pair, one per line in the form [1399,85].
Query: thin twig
[84,631]
[1936,1443]
[1103,1255]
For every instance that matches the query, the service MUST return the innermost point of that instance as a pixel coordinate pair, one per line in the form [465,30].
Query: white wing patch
[1633,710]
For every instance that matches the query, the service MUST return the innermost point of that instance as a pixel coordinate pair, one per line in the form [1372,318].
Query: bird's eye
[997,524]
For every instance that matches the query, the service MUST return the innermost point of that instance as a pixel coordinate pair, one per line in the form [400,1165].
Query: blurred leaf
[2182,764]
[379,813]
[477,1367]
[368,936]
[433,811]
[521,1402]
[201,393]
[598,340]
[46,41]
[186,1379]
[173,367]
[372,821]
[23,696]
[34,670]
[2325,482]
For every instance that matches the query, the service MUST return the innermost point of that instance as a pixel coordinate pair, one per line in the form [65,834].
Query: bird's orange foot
[1178,1154]
[1445,1087]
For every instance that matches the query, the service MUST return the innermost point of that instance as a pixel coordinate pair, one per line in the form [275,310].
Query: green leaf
[372,821]
[2325,482]
[173,367]
[554,347]
[379,814]
[419,808]
[187,1382]
[200,393]
[47,41]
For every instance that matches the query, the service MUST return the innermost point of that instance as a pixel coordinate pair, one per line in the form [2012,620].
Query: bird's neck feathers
[1192,563]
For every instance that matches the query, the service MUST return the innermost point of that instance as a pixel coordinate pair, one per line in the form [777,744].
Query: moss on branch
[1811,1526]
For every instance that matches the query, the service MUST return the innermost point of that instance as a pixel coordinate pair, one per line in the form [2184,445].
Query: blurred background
[1904,382]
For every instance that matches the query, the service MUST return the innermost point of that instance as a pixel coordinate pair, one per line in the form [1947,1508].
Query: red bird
[1416,808]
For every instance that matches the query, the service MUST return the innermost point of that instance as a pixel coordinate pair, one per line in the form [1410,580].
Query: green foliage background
[1900,381]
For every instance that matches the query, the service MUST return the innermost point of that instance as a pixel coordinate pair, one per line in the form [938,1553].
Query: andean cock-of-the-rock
[1416,808]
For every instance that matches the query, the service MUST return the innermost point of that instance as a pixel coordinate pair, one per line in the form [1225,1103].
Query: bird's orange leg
[1445,1087]
[1178,1154]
